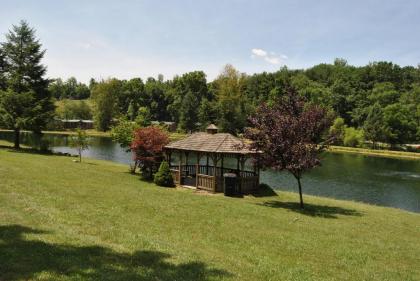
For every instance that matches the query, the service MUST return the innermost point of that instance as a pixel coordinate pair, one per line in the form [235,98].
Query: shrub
[337,130]
[353,137]
[164,177]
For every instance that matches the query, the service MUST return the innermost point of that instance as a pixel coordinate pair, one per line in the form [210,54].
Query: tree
[147,148]
[123,133]
[27,103]
[156,99]
[374,125]
[164,177]
[232,103]
[384,94]
[3,84]
[337,130]
[399,126]
[132,95]
[131,112]
[144,117]
[193,89]
[207,113]
[353,137]
[74,109]
[104,95]
[289,134]
[80,142]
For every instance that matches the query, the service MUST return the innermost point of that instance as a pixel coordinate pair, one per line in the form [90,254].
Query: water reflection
[374,180]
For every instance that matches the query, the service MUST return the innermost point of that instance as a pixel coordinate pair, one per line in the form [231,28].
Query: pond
[381,181]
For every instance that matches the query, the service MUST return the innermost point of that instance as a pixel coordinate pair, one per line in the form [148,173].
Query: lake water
[374,180]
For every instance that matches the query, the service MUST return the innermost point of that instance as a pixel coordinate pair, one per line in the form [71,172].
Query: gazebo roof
[214,143]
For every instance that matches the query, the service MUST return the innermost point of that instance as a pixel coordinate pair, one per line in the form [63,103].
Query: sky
[126,39]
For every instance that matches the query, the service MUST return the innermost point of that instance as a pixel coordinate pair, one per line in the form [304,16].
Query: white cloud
[259,52]
[271,57]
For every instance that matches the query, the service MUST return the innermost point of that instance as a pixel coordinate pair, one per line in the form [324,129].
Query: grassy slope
[61,220]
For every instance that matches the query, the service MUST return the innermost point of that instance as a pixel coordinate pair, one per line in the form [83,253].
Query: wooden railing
[211,178]
[206,182]
[210,170]
[176,176]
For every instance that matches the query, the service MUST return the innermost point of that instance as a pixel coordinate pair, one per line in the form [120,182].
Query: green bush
[164,177]
[353,137]
[337,131]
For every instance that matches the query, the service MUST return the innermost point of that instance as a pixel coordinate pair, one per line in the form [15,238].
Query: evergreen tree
[164,177]
[27,103]
[2,70]
[206,113]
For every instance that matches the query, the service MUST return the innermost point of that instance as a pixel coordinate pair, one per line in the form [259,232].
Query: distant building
[171,126]
[74,124]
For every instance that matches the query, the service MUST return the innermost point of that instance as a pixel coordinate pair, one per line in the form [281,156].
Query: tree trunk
[17,138]
[300,192]
[80,156]
[133,167]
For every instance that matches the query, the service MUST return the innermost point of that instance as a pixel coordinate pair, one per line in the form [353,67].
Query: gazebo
[201,159]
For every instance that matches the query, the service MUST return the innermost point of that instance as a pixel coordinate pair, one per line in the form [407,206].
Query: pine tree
[26,103]
[164,177]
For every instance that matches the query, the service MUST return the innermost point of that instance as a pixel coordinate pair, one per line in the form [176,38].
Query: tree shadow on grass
[330,212]
[36,151]
[24,259]
[264,190]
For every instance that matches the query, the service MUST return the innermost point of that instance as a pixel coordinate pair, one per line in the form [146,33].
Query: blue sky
[126,39]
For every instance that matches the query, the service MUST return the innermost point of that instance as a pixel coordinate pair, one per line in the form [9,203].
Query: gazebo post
[257,170]
[221,168]
[237,165]
[215,159]
[197,169]
[169,156]
[207,164]
[180,167]
[243,160]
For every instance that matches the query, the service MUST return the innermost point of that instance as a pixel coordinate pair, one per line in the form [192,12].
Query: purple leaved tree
[289,135]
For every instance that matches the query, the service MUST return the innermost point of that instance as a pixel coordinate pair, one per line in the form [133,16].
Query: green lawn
[61,220]
[376,152]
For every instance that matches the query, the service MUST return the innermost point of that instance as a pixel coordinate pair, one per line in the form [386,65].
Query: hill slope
[61,220]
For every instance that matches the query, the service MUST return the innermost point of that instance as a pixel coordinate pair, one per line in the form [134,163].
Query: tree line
[378,102]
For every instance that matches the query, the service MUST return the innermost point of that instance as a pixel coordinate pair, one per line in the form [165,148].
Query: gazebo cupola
[212,129]
[201,159]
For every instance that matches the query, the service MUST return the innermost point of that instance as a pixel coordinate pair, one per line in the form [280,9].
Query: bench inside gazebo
[201,159]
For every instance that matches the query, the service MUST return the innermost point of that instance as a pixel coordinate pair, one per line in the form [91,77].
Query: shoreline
[334,149]
[90,133]
[377,153]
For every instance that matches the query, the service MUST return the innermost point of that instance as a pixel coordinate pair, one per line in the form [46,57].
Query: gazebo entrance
[201,159]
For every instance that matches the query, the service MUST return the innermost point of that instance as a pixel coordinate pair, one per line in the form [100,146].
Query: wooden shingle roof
[215,143]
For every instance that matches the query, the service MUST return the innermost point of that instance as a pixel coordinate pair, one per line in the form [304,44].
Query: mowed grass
[61,220]
[376,152]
